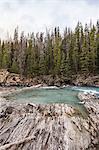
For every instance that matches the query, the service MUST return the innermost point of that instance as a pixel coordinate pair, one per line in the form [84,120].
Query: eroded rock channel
[48,127]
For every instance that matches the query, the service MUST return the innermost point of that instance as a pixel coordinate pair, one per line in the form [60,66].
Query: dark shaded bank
[49,127]
[12,79]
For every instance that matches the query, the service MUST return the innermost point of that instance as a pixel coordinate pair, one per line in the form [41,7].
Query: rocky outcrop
[88,80]
[91,103]
[12,79]
[3,75]
[45,127]
[9,79]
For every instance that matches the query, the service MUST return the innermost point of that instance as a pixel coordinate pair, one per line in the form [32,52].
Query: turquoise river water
[50,95]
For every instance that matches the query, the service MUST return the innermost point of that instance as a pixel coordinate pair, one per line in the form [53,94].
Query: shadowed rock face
[45,127]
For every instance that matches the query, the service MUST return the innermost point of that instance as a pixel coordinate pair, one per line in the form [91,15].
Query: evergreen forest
[52,53]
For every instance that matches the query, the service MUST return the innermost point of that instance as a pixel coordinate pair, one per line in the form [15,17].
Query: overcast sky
[36,15]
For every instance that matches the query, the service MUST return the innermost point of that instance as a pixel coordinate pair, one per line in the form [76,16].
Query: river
[48,95]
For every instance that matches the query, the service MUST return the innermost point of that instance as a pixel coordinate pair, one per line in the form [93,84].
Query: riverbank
[51,126]
[91,103]
[8,79]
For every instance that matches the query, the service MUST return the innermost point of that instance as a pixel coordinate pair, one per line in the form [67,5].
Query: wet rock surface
[48,127]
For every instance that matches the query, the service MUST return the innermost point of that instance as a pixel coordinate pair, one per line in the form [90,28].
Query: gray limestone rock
[47,127]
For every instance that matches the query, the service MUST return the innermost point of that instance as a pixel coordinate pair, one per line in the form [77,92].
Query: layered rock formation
[3,75]
[12,79]
[91,103]
[88,80]
[48,127]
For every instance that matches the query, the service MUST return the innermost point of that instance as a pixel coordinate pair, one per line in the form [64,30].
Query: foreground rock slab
[45,127]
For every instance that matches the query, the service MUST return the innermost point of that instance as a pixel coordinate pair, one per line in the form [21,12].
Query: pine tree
[97,47]
[5,56]
[92,52]
[57,51]
[84,54]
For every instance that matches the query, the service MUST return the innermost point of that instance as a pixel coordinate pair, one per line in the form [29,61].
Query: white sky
[36,15]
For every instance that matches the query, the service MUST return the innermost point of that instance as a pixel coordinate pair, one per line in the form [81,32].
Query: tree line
[70,53]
